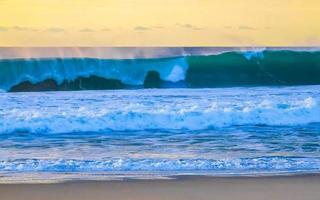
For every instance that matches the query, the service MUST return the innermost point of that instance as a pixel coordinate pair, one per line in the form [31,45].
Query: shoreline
[61,178]
[288,187]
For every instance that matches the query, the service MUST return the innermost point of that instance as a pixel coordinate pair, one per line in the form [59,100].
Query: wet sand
[302,187]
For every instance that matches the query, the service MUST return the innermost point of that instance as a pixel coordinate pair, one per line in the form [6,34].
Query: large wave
[76,73]
[249,68]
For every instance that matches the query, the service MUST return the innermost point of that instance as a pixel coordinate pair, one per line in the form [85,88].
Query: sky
[159,23]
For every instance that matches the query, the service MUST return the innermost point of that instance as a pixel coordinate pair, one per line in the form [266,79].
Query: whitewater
[156,109]
[152,132]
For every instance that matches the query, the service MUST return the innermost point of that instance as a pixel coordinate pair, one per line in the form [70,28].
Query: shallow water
[158,131]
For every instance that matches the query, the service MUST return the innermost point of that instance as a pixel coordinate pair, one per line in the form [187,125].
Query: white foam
[257,53]
[157,109]
[177,74]
[237,165]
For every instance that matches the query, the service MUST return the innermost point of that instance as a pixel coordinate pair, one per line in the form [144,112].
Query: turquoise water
[229,69]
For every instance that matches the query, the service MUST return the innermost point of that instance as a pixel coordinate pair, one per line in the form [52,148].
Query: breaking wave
[249,68]
[157,110]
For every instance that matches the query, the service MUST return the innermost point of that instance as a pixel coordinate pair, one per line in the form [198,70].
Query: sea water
[89,113]
[230,131]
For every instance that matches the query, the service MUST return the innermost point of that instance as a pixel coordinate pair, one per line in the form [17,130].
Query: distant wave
[248,68]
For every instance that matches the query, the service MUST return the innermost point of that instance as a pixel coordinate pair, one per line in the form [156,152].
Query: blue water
[251,130]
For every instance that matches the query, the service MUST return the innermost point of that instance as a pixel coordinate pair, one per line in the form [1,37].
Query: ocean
[195,111]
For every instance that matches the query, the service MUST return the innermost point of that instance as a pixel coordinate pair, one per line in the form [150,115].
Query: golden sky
[159,22]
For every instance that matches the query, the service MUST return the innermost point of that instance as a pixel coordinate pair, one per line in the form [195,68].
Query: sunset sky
[159,23]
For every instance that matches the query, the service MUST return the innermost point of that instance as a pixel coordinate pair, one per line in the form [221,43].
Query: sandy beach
[306,187]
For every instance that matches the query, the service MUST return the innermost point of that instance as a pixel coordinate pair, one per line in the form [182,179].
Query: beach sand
[302,187]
